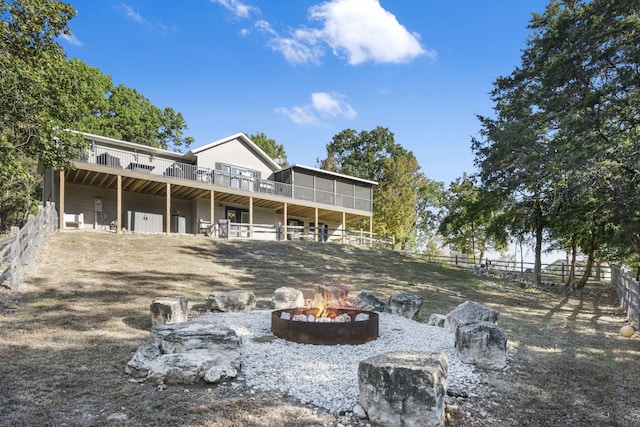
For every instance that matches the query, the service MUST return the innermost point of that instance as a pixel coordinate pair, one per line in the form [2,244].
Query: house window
[244,179]
[234,170]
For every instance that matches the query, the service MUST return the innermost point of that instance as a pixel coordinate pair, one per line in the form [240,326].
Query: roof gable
[244,139]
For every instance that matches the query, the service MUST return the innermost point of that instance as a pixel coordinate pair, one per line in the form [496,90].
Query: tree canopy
[43,94]
[403,195]
[270,147]
[564,140]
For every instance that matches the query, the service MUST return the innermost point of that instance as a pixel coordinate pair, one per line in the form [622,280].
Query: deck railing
[154,165]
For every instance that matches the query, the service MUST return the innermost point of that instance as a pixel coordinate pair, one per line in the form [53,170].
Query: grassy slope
[69,334]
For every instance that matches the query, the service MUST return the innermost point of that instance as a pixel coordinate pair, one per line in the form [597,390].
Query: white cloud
[362,30]
[299,115]
[358,30]
[238,8]
[132,14]
[71,39]
[323,104]
[332,104]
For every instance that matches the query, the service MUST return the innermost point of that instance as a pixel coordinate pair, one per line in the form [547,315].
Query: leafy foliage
[403,195]
[271,147]
[564,142]
[42,94]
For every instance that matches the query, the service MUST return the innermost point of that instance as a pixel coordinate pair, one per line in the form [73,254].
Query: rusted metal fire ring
[326,333]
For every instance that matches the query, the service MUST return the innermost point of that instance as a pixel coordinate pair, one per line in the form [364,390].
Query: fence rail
[18,251]
[557,271]
[628,290]
[294,232]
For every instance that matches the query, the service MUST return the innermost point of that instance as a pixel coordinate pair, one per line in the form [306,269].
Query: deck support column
[284,221]
[168,220]
[119,205]
[251,217]
[344,227]
[315,231]
[61,219]
[212,212]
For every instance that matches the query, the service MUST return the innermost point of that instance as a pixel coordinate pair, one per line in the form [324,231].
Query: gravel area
[327,376]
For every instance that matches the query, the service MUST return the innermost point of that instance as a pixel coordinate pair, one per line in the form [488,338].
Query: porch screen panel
[344,193]
[324,190]
[303,186]
[363,198]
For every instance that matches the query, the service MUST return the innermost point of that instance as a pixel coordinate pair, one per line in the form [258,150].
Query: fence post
[15,259]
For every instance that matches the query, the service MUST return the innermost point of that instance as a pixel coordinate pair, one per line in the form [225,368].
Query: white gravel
[327,376]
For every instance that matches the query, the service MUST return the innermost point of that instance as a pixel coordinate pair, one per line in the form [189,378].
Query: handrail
[154,165]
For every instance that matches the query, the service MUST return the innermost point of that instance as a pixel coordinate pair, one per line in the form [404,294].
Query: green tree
[567,124]
[42,95]
[33,115]
[398,198]
[470,217]
[270,147]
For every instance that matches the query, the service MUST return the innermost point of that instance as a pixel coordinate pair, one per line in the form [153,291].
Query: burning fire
[324,307]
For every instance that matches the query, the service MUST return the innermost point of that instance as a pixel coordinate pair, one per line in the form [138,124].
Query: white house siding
[233,153]
[81,199]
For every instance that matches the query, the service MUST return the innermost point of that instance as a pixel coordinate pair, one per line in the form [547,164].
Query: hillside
[85,308]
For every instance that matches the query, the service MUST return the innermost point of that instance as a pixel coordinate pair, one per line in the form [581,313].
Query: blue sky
[301,71]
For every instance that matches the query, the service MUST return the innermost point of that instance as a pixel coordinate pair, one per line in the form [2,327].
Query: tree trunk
[538,250]
[590,260]
[572,263]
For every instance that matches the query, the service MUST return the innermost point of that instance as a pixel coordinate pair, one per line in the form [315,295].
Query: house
[228,188]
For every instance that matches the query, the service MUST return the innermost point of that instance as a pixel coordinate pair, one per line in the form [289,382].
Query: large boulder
[232,301]
[404,305]
[369,302]
[284,298]
[404,388]
[469,312]
[169,310]
[186,353]
[482,344]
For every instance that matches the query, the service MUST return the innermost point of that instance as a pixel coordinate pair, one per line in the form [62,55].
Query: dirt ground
[84,309]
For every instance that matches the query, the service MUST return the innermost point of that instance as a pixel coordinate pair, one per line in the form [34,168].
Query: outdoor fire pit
[325,326]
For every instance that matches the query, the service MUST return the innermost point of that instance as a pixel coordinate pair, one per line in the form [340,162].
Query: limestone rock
[199,333]
[404,305]
[469,312]
[369,302]
[287,298]
[232,301]
[143,358]
[404,388]
[188,352]
[436,320]
[482,344]
[169,310]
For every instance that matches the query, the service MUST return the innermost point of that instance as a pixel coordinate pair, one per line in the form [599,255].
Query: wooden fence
[18,251]
[294,232]
[628,290]
[554,272]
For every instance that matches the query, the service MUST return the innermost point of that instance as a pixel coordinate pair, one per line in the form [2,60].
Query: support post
[61,179]
[168,220]
[251,217]
[119,205]
[285,221]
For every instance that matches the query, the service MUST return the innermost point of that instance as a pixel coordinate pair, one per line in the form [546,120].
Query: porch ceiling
[154,185]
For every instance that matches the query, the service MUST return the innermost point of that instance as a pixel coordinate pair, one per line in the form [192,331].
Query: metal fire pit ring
[325,333]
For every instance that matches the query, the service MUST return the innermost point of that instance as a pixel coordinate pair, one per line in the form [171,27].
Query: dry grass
[68,335]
